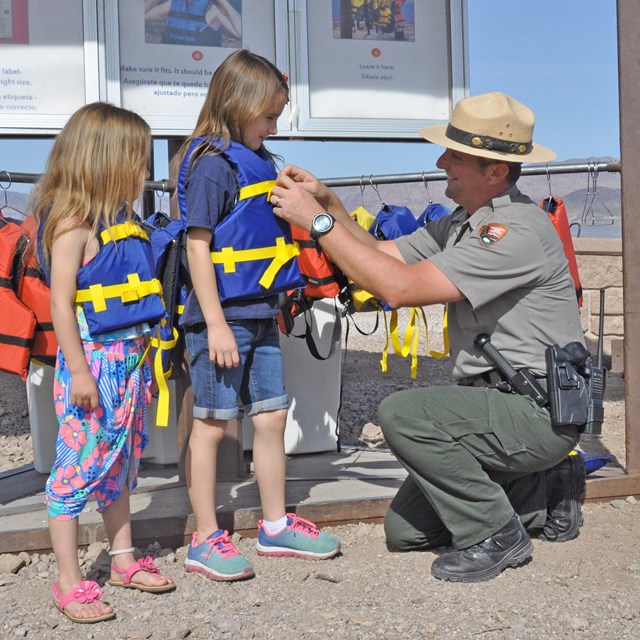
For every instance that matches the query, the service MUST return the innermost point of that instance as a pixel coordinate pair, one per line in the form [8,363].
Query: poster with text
[378,66]
[169,49]
[44,63]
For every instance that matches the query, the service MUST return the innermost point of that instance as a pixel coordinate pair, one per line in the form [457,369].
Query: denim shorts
[255,386]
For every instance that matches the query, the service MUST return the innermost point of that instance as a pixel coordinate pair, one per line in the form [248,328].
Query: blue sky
[559,57]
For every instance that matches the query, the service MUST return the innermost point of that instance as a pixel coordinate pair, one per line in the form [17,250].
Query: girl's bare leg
[269,461]
[201,468]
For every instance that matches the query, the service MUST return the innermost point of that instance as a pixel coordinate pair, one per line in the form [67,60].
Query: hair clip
[285,77]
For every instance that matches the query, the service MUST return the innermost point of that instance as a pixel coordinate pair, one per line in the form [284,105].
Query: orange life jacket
[17,321]
[322,278]
[557,213]
[35,294]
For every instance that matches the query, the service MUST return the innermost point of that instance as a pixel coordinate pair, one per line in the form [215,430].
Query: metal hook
[576,224]
[10,181]
[586,206]
[593,198]
[5,191]
[161,194]
[426,186]
[549,199]
[373,186]
[362,190]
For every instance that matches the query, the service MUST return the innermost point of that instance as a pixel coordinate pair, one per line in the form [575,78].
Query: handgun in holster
[521,381]
[569,393]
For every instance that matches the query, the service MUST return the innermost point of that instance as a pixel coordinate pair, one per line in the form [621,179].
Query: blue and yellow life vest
[118,287]
[252,250]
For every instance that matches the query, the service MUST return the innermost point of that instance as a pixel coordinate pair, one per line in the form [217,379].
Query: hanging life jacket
[252,251]
[17,321]
[557,213]
[322,279]
[434,211]
[35,294]
[392,222]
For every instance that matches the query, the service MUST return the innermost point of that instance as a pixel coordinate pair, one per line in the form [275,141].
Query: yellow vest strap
[256,189]
[411,338]
[162,413]
[133,289]
[385,349]
[281,253]
[445,337]
[124,230]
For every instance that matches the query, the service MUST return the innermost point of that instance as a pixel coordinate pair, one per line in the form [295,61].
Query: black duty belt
[492,378]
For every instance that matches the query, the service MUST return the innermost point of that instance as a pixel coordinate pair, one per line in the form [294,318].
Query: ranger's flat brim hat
[491,125]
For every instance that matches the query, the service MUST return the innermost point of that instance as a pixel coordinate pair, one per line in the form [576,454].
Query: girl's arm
[223,349]
[67,254]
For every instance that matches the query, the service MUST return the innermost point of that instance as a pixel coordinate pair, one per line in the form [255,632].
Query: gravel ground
[586,588]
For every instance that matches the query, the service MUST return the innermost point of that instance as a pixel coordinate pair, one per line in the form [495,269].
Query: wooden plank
[612,487]
[629,89]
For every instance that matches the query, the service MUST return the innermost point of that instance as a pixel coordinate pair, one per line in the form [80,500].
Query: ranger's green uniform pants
[474,455]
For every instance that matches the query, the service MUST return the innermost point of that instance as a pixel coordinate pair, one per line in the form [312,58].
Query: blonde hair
[241,89]
[96,169]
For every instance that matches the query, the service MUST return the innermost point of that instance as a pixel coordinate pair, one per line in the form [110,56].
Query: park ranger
[485,465]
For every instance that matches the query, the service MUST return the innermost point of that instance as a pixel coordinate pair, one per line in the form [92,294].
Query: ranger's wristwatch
[322,223]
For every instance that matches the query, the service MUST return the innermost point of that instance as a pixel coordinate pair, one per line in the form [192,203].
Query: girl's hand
[223,348]
[84,390]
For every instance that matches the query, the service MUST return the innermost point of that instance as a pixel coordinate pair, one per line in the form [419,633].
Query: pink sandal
[144,564]
[85,592]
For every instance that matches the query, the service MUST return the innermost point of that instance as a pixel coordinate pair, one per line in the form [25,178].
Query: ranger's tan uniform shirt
[509,263]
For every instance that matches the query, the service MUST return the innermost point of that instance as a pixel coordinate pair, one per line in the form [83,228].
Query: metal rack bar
[528,170]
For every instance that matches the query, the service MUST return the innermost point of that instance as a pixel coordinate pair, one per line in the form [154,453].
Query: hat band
[487,142]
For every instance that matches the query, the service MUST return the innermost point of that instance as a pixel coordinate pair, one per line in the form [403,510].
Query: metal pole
[355,181]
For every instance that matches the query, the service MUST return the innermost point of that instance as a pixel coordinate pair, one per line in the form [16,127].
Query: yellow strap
[161,376]
[256,189]
[130,291]
[385,349]
[411,338]
[281,253]
[445,337]
[284,253]
[408,336]
[121,231]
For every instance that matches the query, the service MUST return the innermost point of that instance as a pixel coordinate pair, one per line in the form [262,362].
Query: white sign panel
[357,68]
[377,65]
[46,70]
[169,49]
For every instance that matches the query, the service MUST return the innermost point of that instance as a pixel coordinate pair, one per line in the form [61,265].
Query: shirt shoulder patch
[491,233]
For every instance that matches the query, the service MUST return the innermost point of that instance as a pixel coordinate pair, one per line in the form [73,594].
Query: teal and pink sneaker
[217,558]
[297,539]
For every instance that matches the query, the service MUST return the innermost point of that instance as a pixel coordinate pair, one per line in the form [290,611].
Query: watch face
[322,223]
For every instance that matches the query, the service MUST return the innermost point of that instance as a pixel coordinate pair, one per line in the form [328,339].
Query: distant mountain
[572,188]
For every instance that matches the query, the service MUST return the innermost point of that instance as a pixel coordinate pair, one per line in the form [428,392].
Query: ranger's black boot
[508,547]
[565,494]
